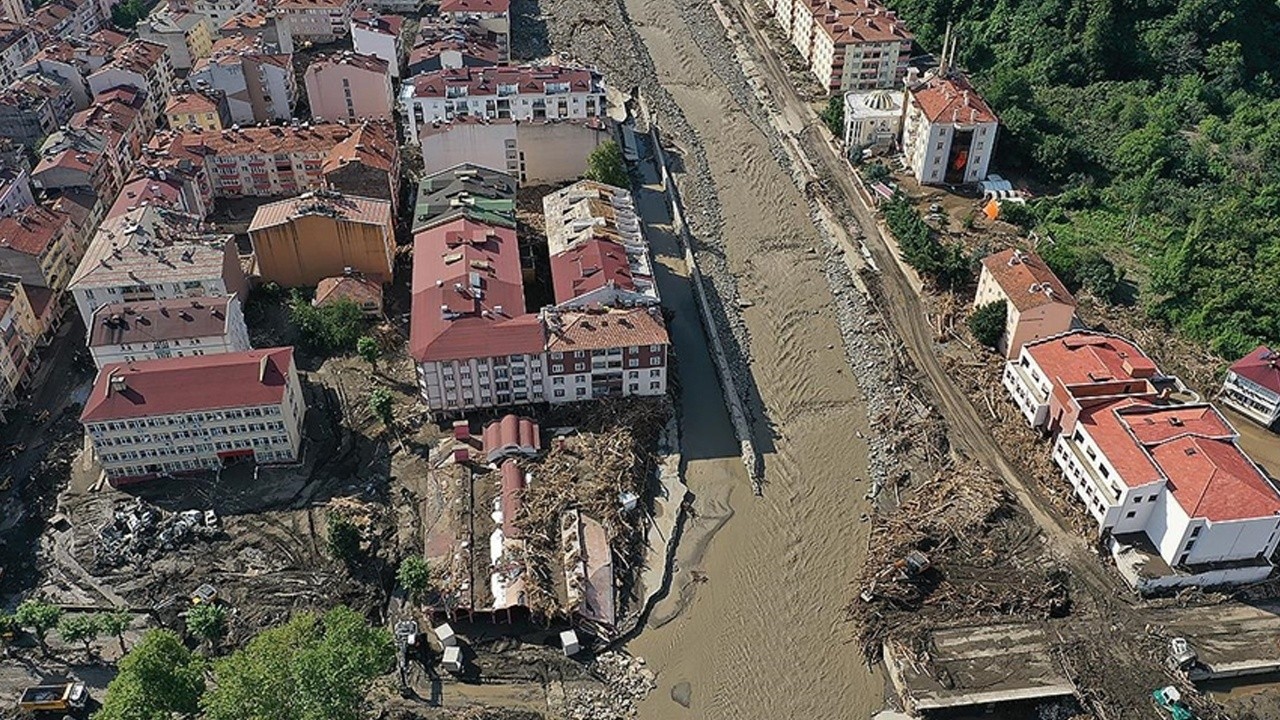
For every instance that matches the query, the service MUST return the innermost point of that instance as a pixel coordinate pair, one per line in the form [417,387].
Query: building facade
[1037,304]
[33,106]
[535,152]
[267,26]
[187,35]
[166,417]
[258,81]
[37,245]
[379,36]
[1252,386]
[143,66]
[318,21]
[303,240]
[17,45]
[19,332]
[218,11]
[949,131]
[872,119]
[349,86]
[205,111]
[129,332]
[15,191]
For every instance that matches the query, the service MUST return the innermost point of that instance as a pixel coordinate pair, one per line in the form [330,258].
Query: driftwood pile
[959,521]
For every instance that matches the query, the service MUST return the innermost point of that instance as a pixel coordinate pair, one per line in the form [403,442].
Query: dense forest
[1155,124]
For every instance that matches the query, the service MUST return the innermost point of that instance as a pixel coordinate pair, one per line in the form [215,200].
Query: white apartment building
[318,21]
[144,66]
[166,417]
[17,45]
[152,253]
[1252,386]
[15,191]
[949,131]
[151,330]
[872,119]
[378,35]
[546,152]
[218,11]
[548,92]
[258,81]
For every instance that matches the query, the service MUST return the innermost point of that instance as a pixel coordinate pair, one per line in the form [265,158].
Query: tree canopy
[987,323]
[605,164]
[332,328]
[1154,117]
[157,678]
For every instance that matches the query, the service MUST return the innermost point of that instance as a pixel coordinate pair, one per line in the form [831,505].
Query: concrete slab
[977,666]
[1230,640]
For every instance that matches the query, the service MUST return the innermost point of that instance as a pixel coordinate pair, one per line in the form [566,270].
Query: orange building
[323,234]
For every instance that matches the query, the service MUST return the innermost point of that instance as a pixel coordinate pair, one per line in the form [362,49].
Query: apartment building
[33,106]
[38,246]
[1037,304]
[949,131]
[14,11]
[302,240]
[872,119]
[492,15]
[17,45]
[535,151]
[154,253]
[349,86]
[129,332]
[19,332]
[207,111]
[257,80]
[15,190]
[365,163]
[218,11]
[267,26]
[442,45]
[65,18]
[187,35]
[159,188]
[468,190]
[172,416]
[117,116]
[599,255]
[72,62]
[548,92]
[852,44]
[318,21]
[605,351]
[144,66]
[378,35]
[1252,386]
[80,160]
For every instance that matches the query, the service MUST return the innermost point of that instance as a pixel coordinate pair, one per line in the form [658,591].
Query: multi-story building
[153,253]
[144,66]
[445,46]
[1252,386]
[318,21]
[258,81]
[349,86]
[15,11]
[1037,304]
[72,63]
[599,255]
[159,188]
[535,151]
[548,92]
[59,19]
[872,119]
[365,163]
[378,35]
[471,191]
[1053,380]
[171,416]
[604,351]
[492,15]
[265,25]
[37,246]
[134,331]
[207,111]
[117,116]
[851,44]
[17,45]
[218,11]
[33,106]
[19,331]
[187,35]
[15,190]
[949,131]
[402,7]
[74,159]
[301,241]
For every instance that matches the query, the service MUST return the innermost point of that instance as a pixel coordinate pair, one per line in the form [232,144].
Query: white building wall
[370,42]
[235,339]
[89,298]
[17,194]
[422,111]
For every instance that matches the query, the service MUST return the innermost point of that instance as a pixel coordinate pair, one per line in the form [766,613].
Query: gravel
[627,681]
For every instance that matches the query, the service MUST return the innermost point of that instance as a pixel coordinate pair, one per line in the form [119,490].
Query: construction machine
[1170,700]
[54,697]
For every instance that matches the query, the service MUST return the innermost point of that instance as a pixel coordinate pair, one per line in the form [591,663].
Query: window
[579,367]
[1195,531]
[633,374]
[1131,513]
[1137,499]
[655,360]
[557,381]
[557,368]
[581,391]
[1105,472]
[655,373]
[1190,544]
[655,385]
[1151,498]
[633,362]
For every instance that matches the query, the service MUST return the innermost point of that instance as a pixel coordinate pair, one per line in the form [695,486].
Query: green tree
[343,537]
[8,626]
[334,328]
[79,629]
[127,14]
[380,405]
[875,172]
[41,617]
[157,678]
[208,622]
[308,669]
[367,348]
[1098,275]
[833,115]
[115,623]
[987,322]
[605,164]
[414,575]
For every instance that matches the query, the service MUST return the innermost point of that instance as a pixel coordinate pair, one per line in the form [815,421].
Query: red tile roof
[475,6]
[1080,359]
[452,321]
[512,490]
[511,434]
[144,322]
[370,63]
[343,208]
[372,144]
[387,24]
[604,328]
[1262,366]
[190,103]
[1026,279]
[589,266]
[858,21]
[147,191]
[190,384]
[951,99]
[481,81]
[360,290]
[31,229]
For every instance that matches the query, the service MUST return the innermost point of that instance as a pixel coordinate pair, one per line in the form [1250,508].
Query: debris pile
[627,681]
[138,532]
[945,555]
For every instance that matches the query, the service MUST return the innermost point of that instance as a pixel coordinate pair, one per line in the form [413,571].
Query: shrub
[988,321]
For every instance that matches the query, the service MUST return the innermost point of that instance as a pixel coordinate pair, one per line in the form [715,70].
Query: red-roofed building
[144,66]
[849,44]
[363,291]
[318,21]
[1055,379]
[949,132]
[1174,474]
[154,329]
[349,87]
[1252,386]
[38,245]
[378,35]
[1037,304]
[509,436]
[167,417]
[257,79]
[598,254]
[492,15]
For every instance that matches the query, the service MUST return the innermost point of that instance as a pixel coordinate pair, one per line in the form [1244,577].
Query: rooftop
[143,191]
[172,386]
[1026,279]
[158,320]
[950,99]
[152,245]
[491,80]
[347,208]
[1262,367]
[190,103]
[588,266]
[372,144]
[387,24]
[360,290]
[858,21]
[604,328]
[30,230]
[475,6]
[348,58]
[138,56]
[231,51]
[478,192]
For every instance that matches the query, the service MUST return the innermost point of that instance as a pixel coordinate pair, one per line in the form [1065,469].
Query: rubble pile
[627,682]
[138,532]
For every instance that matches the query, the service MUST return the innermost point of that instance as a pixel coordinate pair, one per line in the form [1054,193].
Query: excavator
[1170,700]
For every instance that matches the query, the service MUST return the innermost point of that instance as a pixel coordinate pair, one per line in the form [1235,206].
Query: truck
[54,697]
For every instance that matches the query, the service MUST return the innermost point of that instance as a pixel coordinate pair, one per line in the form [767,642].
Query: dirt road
[752,628]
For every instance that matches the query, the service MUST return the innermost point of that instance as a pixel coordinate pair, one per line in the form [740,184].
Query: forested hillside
[1160,122]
